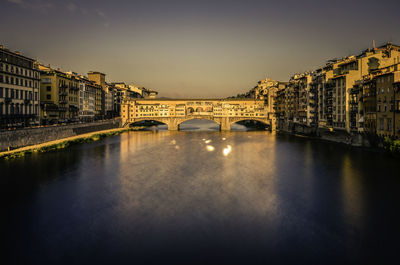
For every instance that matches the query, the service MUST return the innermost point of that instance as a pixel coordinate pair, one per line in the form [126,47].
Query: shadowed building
[19,90]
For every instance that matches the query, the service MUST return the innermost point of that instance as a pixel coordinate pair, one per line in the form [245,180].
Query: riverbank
[14,139]
[361,141]
[64,143]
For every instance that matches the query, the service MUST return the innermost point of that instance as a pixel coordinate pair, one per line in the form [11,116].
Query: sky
[202,49]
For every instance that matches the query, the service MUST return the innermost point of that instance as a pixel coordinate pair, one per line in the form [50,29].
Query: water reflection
[268,198]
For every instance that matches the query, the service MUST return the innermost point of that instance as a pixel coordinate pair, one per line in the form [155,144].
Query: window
[48,96]
[1,92]
[381,122]
[1,79]
[389,125]
[48,88]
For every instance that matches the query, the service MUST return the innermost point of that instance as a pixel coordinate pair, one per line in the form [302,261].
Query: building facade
[19,90]
[59,96]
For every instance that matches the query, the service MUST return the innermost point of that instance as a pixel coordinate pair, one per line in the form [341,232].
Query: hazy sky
[195,48]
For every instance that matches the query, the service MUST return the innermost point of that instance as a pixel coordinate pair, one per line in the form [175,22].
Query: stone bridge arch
[262,120]
[162,120]
[225,123]
[194,117]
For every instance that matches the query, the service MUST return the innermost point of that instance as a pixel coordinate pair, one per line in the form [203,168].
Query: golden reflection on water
[167,182]
[352,192]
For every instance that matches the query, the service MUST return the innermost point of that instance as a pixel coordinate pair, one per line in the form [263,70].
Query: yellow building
[59,96]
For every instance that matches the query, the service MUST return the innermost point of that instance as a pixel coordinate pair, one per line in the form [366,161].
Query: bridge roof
[196,99]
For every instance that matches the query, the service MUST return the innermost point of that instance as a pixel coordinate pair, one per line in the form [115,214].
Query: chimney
[17,52]
[1,46]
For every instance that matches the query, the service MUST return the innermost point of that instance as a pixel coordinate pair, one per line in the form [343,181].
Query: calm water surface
[201,196]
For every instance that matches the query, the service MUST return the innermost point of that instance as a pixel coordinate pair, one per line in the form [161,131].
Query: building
[19,90]
[387,102]
[128,91]
[59,96]
[87,103]
[99,79]
[149,94]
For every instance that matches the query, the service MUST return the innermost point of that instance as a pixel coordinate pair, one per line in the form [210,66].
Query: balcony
[62,102]
[7,100]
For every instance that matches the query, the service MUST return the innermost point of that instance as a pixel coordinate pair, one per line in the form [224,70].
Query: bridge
[173,112]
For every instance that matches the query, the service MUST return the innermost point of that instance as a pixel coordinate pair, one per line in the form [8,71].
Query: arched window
[189,110]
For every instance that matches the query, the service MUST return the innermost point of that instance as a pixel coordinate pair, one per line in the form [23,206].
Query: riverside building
[19,90]
[59,96]
[355,94]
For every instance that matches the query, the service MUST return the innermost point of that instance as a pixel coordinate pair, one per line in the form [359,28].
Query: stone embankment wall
[338,136]
[31,136]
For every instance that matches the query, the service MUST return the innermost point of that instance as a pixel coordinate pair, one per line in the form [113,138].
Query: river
[201,196]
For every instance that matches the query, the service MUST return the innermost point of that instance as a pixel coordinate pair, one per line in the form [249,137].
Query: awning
[361,119]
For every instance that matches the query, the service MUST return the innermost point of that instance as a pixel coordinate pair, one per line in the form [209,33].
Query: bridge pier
[173,127]
[225,125]
[173,124]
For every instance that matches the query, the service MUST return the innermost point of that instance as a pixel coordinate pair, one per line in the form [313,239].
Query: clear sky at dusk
[195,48]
